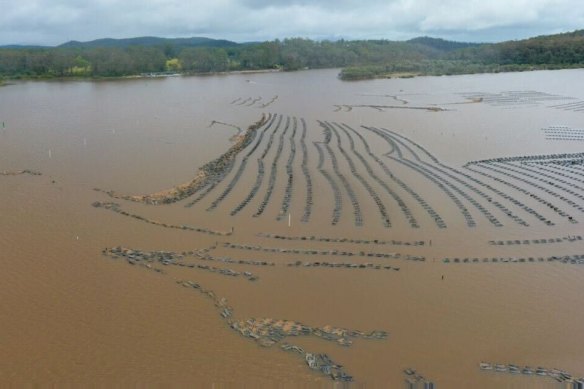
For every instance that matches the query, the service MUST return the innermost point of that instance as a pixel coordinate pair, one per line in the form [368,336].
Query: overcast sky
[51,22]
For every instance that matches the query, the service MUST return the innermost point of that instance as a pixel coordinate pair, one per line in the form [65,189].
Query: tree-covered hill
[359,59]
[150,41]
[567,48]
[543,52]
[442,44]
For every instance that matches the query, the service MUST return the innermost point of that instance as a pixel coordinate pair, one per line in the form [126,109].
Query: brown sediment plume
[207,173]
[19,172]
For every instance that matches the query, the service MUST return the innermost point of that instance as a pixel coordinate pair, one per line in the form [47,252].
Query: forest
[360,59]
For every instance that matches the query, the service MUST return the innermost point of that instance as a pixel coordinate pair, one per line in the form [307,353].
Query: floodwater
[72,315]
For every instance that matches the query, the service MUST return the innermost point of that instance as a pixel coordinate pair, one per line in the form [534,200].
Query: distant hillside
[442,44]
[23,47]
[554,50]
[360,59]
[150,41]
[558,51]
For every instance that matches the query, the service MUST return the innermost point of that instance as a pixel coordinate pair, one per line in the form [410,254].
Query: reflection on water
[340,177]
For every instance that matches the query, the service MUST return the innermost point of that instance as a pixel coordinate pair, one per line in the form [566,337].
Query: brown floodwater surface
[71,315]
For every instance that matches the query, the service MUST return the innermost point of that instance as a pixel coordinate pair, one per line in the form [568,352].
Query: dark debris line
[561,376]
[266,332]
[115,207]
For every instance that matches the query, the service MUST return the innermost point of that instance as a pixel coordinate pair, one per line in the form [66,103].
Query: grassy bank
[439,68]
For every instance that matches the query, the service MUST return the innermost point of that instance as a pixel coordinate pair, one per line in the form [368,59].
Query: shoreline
[10,80]
[404,74]
[386,75]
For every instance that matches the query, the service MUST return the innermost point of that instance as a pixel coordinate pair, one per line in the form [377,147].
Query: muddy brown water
[71,315]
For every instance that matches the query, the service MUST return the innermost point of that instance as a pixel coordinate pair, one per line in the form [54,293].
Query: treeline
[360,59]
[559,49]
[546,52]
[288,54]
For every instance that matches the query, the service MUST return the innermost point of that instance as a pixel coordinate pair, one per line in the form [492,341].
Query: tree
[204,60]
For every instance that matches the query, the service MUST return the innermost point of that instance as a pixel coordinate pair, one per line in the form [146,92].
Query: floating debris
[313,238]
[415,380]
[273,172]
[545,158]
[19,172]
[208,173]
[577,259]
[423,203]
[301,251]
[338,199]
[557,374]
[357,213]
[267,332]
[515,168]
[563,239]
[169,258]
[244,160]
[372,192]
[270,102]
[381,108]
[514,98]
[402,205]
[307,177]
[250,102]
[563,133]
[115,207]
[234,137]
[284,208]
[576,106]
[371,266]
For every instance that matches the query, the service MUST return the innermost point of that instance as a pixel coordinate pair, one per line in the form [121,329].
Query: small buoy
[77,237]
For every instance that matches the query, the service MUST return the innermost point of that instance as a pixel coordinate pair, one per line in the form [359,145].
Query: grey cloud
[56,21]
[323,4]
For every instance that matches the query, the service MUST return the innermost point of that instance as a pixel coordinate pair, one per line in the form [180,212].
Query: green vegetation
[359,59]
[546,52]
[439,67]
